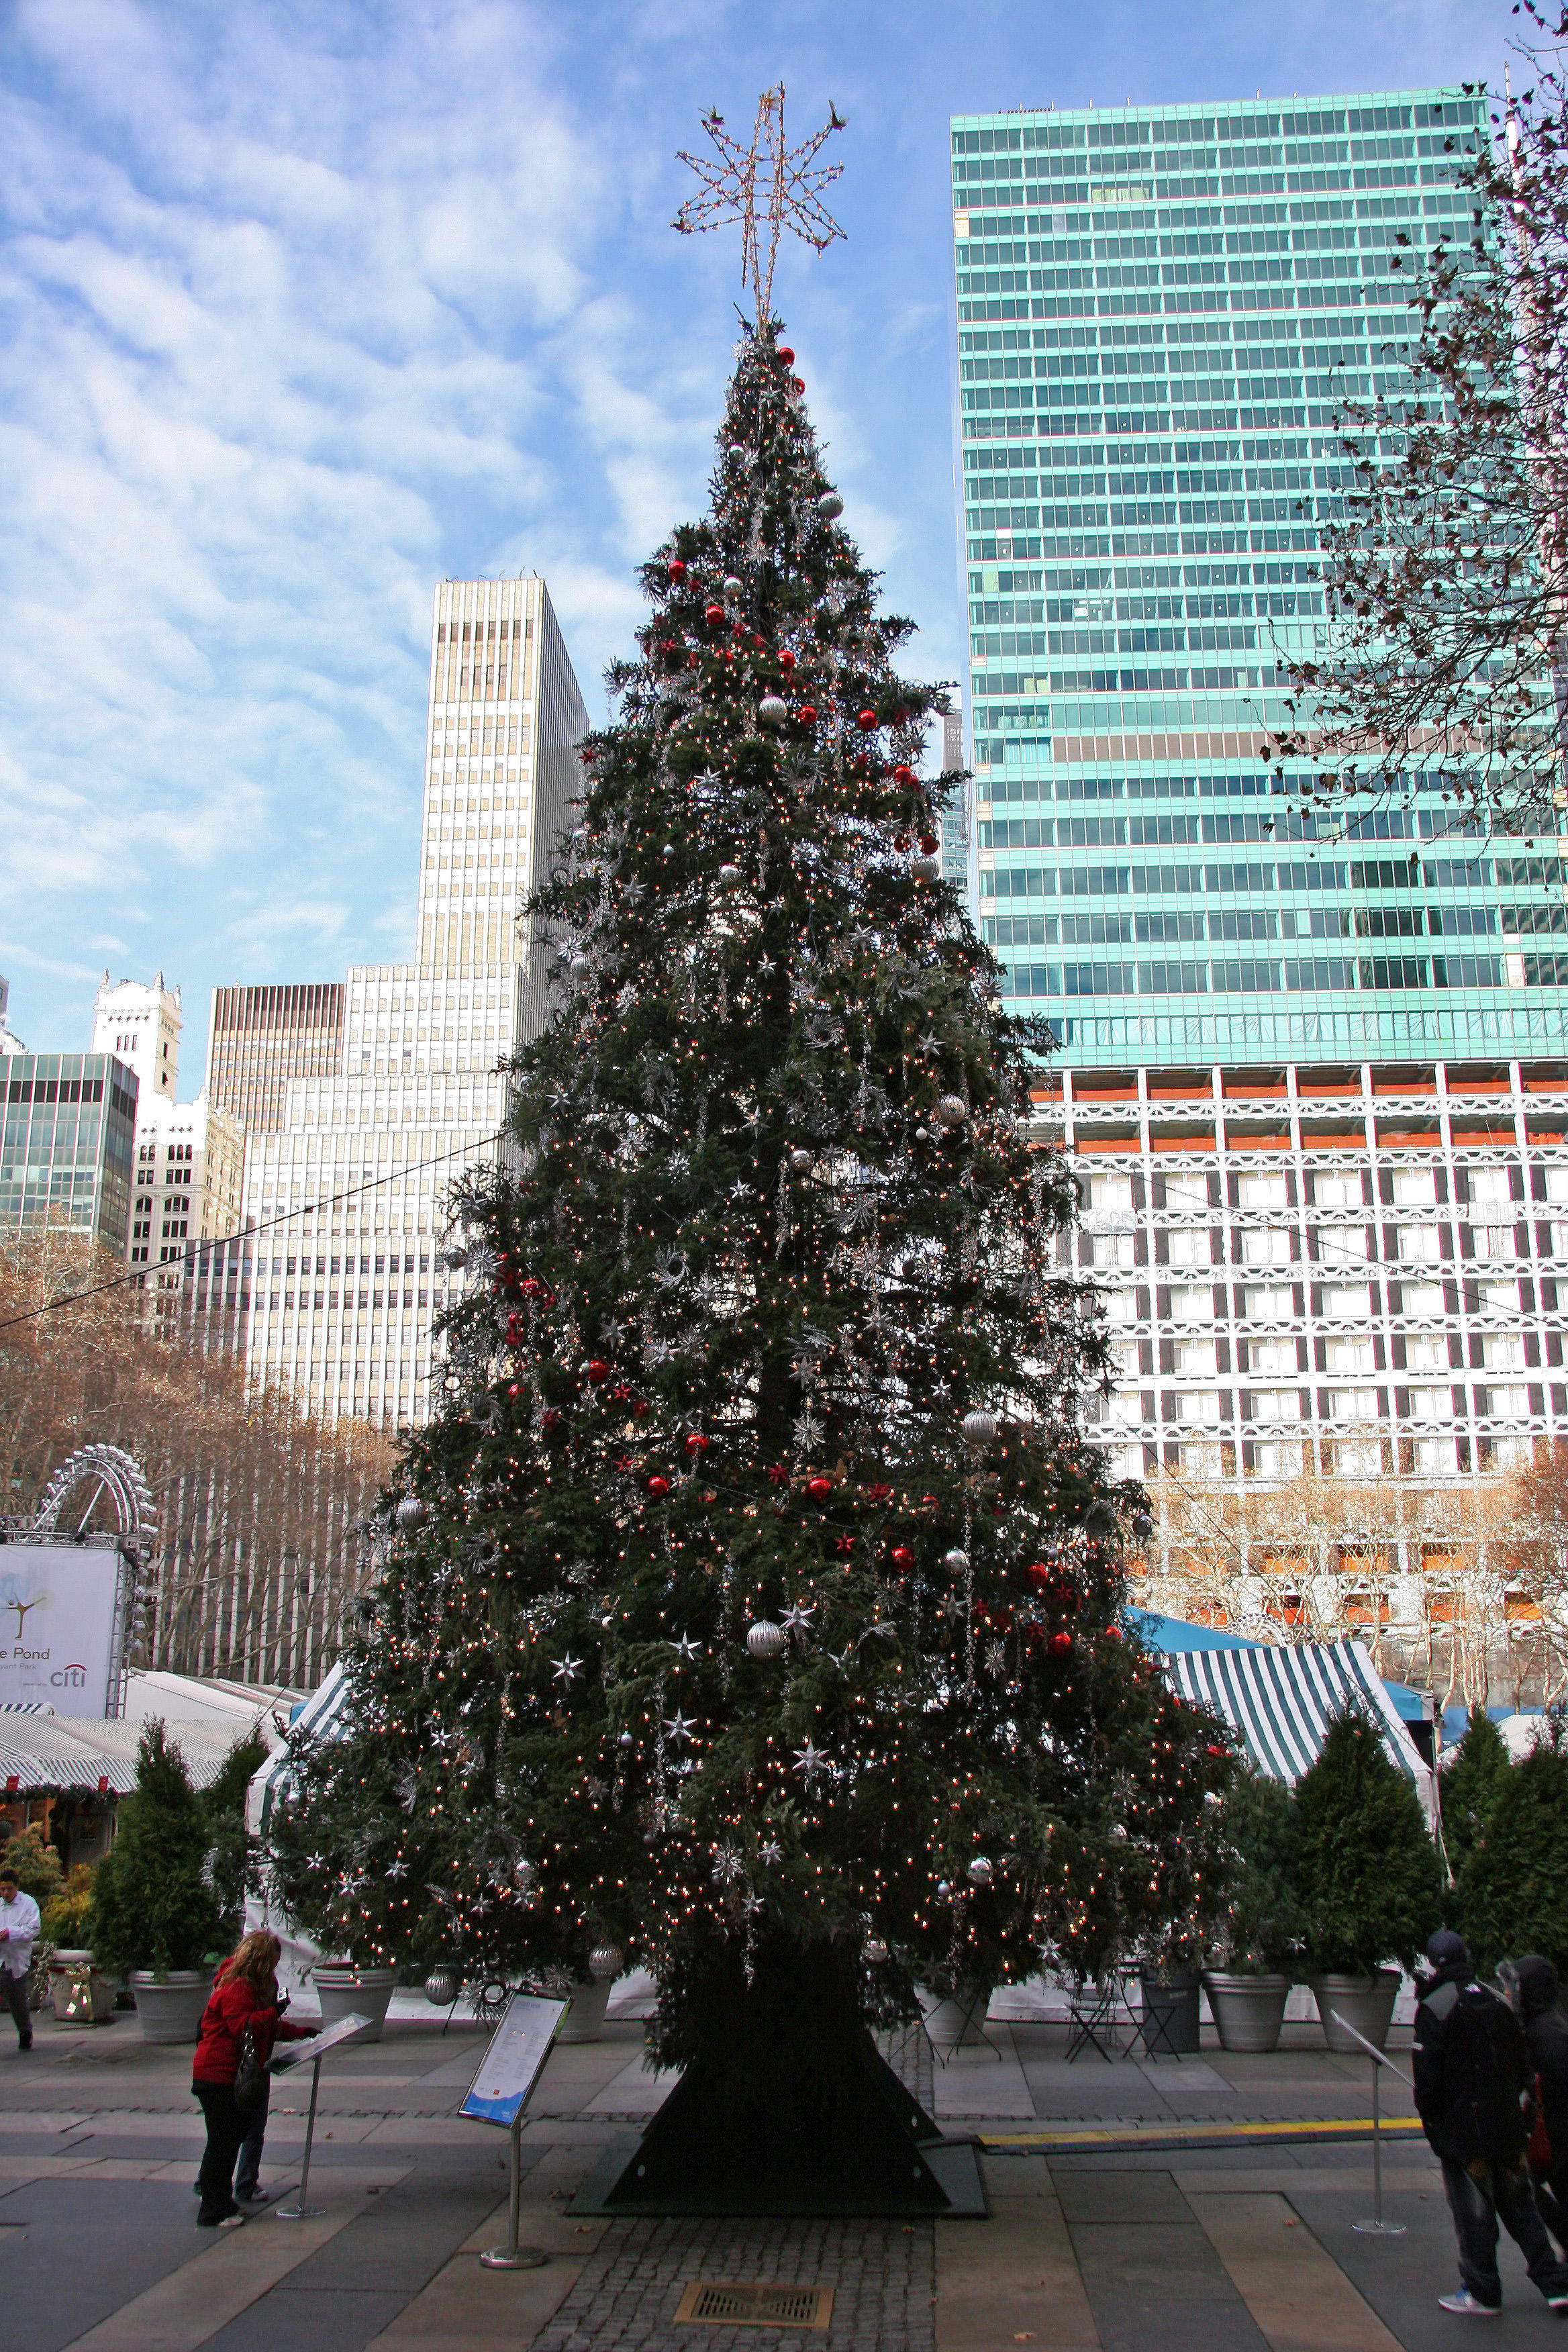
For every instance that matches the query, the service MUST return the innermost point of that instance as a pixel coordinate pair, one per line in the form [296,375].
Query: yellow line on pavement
[1131,2135]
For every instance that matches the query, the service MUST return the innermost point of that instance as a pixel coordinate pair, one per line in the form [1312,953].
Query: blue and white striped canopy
[317,1719]
[1281,1701]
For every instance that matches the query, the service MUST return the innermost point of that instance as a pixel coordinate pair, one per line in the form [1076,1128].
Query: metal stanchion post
[512,2256]
[299,2211]
[1377,2227]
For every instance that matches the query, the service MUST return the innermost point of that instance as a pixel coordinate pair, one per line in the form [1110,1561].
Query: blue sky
[306,304]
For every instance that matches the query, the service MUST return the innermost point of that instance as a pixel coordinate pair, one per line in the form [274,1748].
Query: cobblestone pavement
[883,2275]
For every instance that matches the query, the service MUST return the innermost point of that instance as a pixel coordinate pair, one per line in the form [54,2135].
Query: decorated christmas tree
[750,1609]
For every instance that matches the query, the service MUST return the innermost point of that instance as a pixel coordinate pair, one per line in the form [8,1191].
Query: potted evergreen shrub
[1513,1876]
[1260,1927]
[153,1911]
[1368,1877]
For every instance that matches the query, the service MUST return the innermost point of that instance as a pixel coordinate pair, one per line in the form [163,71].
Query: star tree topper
[769,179]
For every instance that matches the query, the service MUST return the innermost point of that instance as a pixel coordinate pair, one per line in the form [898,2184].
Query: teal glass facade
[68,1144]
[1157,309]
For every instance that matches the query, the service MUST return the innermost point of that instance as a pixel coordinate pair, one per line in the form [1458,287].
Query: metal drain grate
[720,2304]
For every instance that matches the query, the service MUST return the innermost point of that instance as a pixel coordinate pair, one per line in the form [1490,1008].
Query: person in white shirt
[18,1933]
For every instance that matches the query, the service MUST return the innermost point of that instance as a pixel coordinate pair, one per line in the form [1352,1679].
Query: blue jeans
[1481,2195]
[249,2164]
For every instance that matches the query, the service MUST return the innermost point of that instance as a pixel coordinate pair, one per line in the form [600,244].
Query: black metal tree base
[871,2149]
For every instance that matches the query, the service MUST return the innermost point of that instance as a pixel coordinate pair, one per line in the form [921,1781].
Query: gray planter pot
[170,2009]
[1365,2002]
[584,2021]
[956,2025]
[1248,2011]
[345,1990]
[1171,2005]
[80,1992]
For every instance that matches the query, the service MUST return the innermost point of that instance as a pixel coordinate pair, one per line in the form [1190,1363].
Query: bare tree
[260,1510]
[1445,554]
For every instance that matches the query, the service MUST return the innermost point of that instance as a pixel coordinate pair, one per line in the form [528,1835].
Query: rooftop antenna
[767,181]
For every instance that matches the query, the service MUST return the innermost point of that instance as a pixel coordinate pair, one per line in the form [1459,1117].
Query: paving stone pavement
[883,2275]
[1120,2218]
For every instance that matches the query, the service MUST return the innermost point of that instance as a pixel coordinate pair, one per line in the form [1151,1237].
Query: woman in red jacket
[243,1995]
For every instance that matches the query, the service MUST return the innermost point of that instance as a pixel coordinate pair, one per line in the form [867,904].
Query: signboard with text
[511,2065]
[57,1606]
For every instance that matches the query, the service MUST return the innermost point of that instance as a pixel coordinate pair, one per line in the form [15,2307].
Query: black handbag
[251,2079]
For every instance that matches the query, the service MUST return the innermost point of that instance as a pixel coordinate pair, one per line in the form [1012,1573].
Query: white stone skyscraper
[141,1027]
[342,1296]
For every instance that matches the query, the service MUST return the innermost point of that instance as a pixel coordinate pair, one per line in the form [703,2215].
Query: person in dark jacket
[1472,2075]
[1532,1987]
[244,1998]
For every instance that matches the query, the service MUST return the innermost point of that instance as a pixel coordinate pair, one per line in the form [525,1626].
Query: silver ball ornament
[442,1987]
[800,1160]
[979,1427]
[771,711]
[732,589]
[942,1890]
[980,1873]
[830,506]
[956,1560]
[522,1875]
[764,1640]
[1119,1833]
[926,869]
[603,1963]
[875,1952]
[410,1511]
[951,1111]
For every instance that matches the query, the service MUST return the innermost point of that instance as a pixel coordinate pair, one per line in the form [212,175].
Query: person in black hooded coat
[1532,1987]
[1471,2070]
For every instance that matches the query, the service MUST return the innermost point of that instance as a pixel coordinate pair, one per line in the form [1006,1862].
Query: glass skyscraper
[1311,1077]
[1157,311]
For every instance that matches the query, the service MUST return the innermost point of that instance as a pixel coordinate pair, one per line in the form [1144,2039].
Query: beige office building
[260,1039]
[362,1163]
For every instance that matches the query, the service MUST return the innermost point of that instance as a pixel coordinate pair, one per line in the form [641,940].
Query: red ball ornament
[1113,1633]
[787,659]
[786,355]
[902,1557]
[806,715]
[514,1392]
[1061,1644]
[1216,1751]
[1038,1574]
[819,1489]
[677,571]
[659,1489]
[696,1446]
[930,844]
[596,1373]
[865,720]
[903,776]
[713,614]
[799,383]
